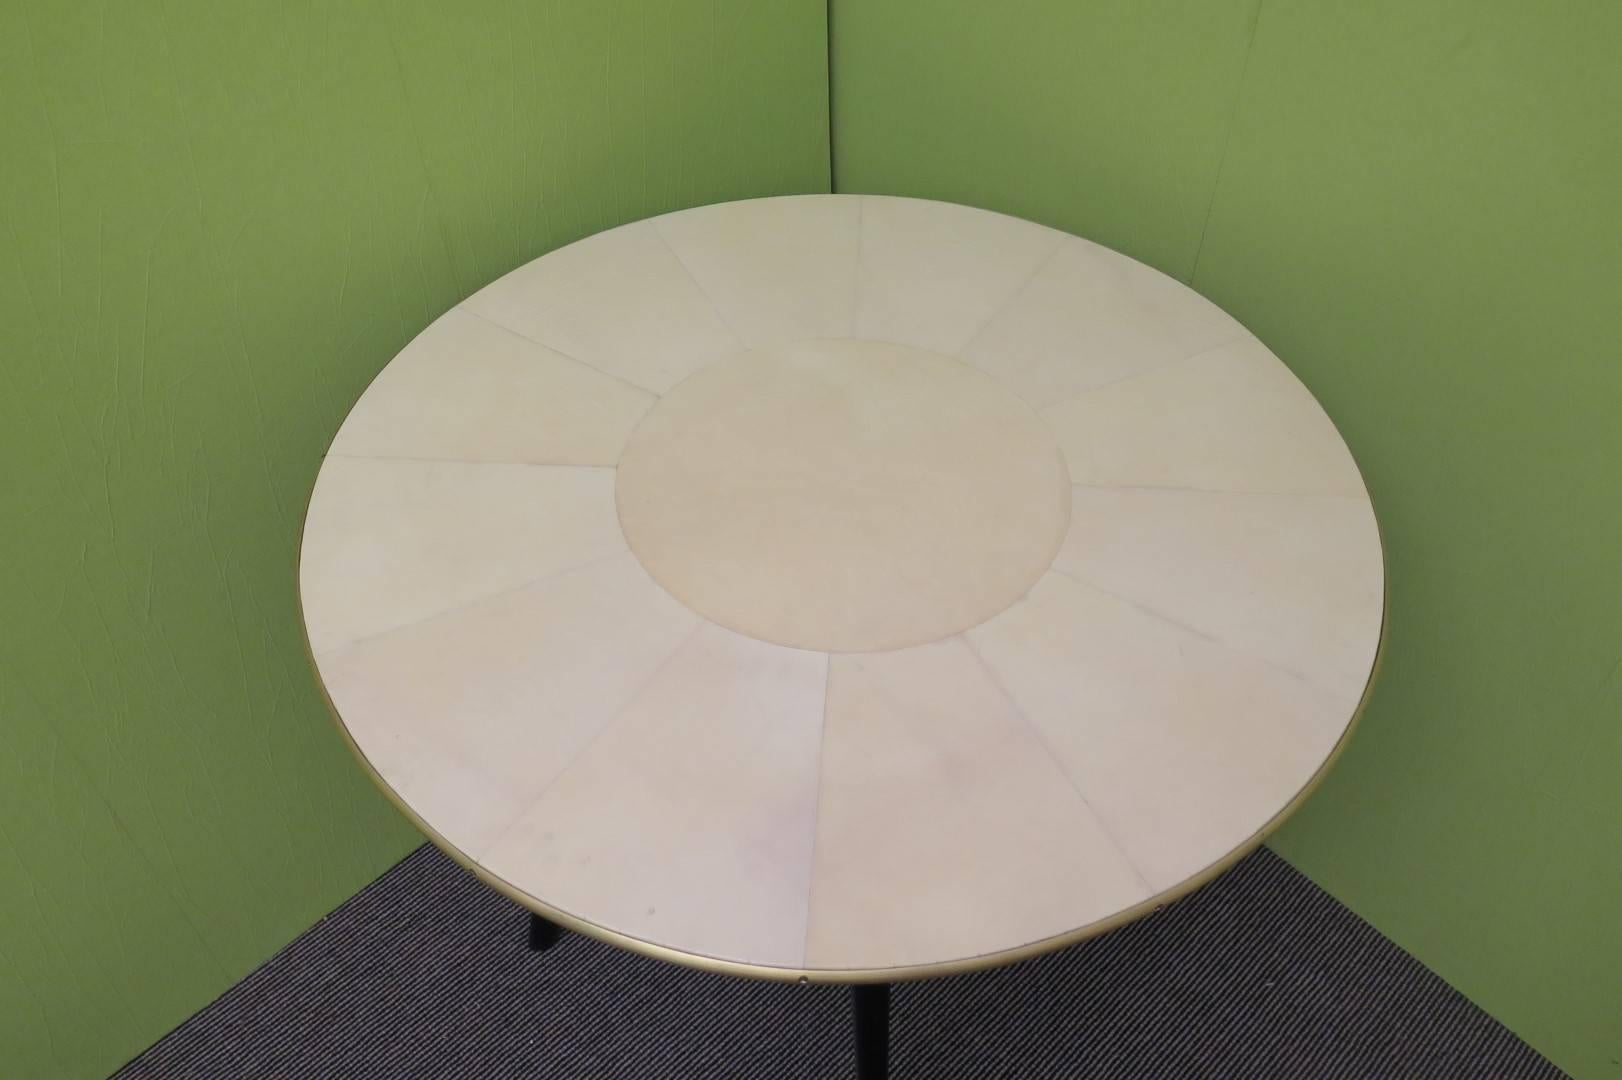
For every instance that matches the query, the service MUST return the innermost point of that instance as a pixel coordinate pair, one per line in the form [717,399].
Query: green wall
[217,222]
[1417,204]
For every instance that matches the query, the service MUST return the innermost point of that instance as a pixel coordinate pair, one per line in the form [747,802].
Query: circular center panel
[843,495]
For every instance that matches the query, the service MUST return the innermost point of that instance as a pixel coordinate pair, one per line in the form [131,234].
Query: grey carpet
[424,973]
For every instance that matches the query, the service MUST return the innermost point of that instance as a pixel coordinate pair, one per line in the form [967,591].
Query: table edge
[847,976]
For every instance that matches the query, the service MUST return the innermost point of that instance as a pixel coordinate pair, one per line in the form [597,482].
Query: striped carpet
[425,974]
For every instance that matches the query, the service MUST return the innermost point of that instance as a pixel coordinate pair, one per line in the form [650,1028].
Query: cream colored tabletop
[841,587]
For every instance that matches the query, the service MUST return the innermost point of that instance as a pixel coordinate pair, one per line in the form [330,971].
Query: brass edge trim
[849,976]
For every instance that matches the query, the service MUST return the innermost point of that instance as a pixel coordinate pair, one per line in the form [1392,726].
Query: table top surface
[841,587]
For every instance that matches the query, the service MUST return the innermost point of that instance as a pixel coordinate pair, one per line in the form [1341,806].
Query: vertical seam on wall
[1227,140]
[828,51]
[163,884]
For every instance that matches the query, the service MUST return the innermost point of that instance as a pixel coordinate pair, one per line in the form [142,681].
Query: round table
[841,588]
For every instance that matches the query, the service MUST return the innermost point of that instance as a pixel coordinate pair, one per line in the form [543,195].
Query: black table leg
[543,933]
[872,1031]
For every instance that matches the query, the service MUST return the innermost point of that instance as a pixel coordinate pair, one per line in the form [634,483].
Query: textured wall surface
[217,221]
[1415,203]
[1106,118]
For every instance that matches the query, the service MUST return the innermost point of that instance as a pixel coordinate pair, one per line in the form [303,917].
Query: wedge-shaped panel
[1182,747]
[469,715]
[468,390]
[933,273]
[619,301]
[1091,316]
[1294,580]
[778,270]
[689,822]
[1230,419]
[946,829]
[387,543]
